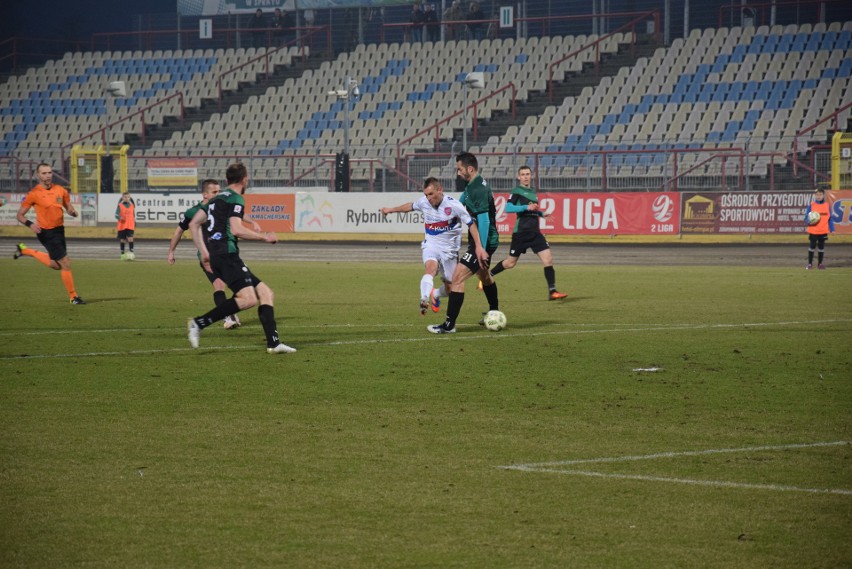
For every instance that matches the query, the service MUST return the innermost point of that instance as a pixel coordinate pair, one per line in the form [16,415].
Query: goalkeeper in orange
[50,201]
[818,229]
[125,213]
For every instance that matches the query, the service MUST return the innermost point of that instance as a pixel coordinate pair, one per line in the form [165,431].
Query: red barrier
[597,213]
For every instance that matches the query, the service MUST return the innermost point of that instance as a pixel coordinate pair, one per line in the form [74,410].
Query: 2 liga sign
[651,213]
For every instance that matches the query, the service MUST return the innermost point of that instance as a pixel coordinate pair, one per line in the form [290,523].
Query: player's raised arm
[254,225]
[238,229]
[404,208]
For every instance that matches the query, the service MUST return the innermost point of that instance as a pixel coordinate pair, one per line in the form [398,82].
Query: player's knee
[265,294]
[246,298]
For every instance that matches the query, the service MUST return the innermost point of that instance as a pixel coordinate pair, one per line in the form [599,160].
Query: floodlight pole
[106,126]
[346,98]
[115,90]
[464,126]
[345,94]
[469,80]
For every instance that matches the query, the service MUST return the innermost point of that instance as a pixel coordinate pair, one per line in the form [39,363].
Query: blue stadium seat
[771,44]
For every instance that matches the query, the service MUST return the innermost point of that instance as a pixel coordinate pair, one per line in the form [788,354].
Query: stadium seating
[402,90]
[738,88]
[74,103]
[744,87]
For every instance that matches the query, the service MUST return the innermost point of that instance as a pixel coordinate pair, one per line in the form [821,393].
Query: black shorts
[817,241]
[210,276]
[125,233]
[527,240]
[231,269]
[54,241]
[469,259]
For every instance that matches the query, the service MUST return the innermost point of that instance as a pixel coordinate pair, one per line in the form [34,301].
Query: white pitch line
[160,329]
[388,325]
[551,467]
[713,483]
[454,337]
[628,458]
[125,353]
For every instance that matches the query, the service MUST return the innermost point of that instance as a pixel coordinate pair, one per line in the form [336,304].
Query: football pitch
[661,416]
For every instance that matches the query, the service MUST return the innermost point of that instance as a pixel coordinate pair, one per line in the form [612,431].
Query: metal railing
[299,42]
[662,169]
[446,120]
[220,38]
[762,13]
[639,18]
[140,114]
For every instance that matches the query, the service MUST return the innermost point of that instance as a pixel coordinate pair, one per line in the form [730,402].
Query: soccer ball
[131,256]
[813,218]
[495,320]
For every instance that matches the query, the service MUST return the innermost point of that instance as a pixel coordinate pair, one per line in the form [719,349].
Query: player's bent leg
[246,298]
[461,274]
[430,266]
[265,294]
[485,277]
[427,282]
[546,257]
[509,262]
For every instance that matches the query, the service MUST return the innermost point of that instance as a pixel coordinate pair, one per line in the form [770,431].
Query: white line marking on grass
[126,353]
[713,483]
[425,336]
[553,467]
[385,326]
[160,329]
[628,458]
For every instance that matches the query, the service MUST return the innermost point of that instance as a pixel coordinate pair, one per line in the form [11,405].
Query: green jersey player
[223,220]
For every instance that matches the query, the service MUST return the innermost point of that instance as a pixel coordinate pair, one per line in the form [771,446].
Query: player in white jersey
[443,220]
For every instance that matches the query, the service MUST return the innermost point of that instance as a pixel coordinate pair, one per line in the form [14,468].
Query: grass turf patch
[378,444]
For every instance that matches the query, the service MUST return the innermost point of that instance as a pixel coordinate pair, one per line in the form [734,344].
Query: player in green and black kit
[527,235]
[479,201]
[209,190]
[223,220]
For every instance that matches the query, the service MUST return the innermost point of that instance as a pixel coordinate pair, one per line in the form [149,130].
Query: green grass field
[380,445]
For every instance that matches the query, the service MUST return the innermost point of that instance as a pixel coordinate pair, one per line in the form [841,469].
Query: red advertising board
[758,212]
[274,212]
[645,213]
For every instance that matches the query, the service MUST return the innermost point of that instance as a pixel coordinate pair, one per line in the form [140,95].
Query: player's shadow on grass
[555,303]
[116,299]
[538,325]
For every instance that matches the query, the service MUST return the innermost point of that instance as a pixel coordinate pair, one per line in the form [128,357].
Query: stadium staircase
[534,105]
[786,176]
[238,96]
[538,101]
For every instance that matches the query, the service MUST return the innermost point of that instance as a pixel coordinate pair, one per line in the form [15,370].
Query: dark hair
[43,164]
[430,181]
[208,182]
[468,160]
[524,167]
[236,173]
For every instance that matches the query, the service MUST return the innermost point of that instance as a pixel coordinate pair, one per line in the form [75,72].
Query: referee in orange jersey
[49,200]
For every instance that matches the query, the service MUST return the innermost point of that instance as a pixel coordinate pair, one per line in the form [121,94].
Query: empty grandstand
[620,108]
